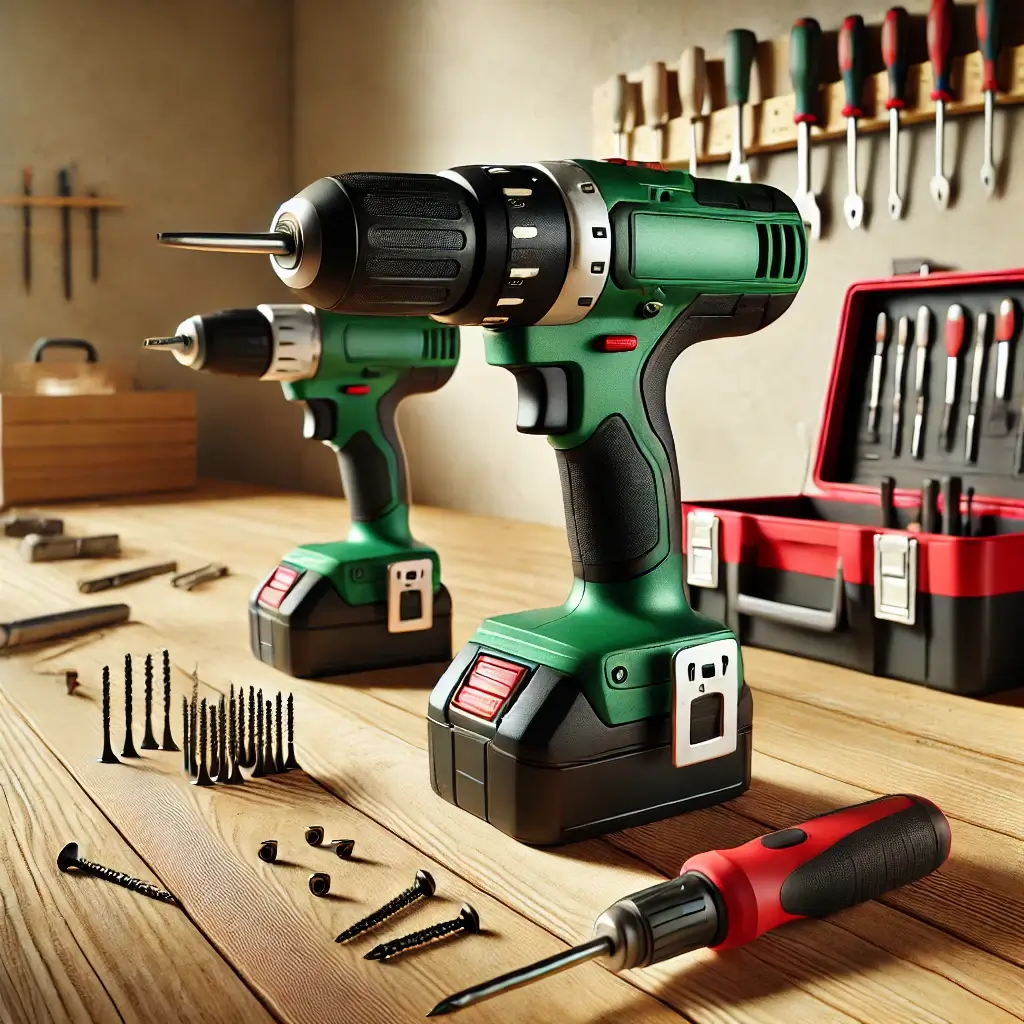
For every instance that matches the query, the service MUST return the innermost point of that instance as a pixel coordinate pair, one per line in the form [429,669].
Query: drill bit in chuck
[267,243]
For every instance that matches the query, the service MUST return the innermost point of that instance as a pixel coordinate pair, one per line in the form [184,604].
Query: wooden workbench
[252,945]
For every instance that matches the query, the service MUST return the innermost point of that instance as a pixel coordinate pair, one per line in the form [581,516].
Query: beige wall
[183,111]
[425,84]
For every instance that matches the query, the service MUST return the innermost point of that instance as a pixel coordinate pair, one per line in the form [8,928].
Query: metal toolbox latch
[896,578]
[702,549]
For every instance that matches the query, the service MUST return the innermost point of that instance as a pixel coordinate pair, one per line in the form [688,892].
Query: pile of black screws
[219,739]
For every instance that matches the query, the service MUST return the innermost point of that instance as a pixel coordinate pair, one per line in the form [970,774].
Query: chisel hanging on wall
[94,239]
[64,191]
[26,231]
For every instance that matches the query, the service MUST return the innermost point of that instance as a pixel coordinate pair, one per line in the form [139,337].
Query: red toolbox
[926,585]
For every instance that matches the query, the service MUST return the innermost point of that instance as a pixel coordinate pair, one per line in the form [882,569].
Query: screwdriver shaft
[268,243]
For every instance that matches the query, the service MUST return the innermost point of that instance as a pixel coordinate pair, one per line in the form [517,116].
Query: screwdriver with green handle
[894,53]
[987,23]
[740,49]
[852,64]
[805,74]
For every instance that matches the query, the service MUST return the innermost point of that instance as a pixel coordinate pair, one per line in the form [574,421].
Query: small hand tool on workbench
[62,624]
[955,335]
[877,366]
[37,547]
[94,240]
[26,230]
[952,490]
[467,923]
[740,50]
[977,376]
[68,858]
[902,339]
[1006,333]
[128,749]
[853,65]
[931,521]
[940,50]
[64,191]
[692,77]
[894,52]
[20,525]
[148,739]
[805,75]
[167,743]
[422,888]
[120,579]
[622,112]
[108,756]
[727,898]
[290,763]
[190,580]
[986,16]
[922,339]
[654,90]
[202,775]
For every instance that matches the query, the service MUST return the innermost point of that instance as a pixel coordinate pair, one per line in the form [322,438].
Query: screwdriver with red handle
[954,343]
[727,898]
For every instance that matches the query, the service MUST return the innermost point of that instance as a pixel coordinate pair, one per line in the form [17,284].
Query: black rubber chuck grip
[238,342]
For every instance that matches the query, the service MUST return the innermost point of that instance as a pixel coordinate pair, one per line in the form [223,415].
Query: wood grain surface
[949,948]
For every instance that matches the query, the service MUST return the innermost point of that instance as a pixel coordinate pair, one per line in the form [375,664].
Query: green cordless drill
[374,600]
[622,705]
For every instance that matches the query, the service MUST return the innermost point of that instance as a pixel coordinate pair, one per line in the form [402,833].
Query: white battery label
[705,702]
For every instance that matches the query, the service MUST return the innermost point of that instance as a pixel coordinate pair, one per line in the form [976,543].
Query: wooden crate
[92,446]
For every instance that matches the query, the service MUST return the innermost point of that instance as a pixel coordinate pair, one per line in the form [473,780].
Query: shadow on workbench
[406,677]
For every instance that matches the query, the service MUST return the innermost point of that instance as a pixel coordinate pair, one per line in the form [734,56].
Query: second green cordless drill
[374,600]
[621,705]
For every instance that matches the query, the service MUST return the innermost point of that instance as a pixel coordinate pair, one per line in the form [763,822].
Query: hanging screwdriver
[894,52]
[26,230]
[940,50]
[692,77]
[954,343]
[622,111]
[655,94]
[1006,331]
[922,338]
[805,75]
[877,364]
[852,47]
[740,49]
[728,898]
[986,16]
[902,336]
[977,372]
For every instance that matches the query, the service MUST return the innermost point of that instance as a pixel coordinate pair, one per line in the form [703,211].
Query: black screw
[68,858]
[467,923]
[421,888]
[71,681]
[168,740]
[268,851]
[290,763]
[186,737]
[149,740]
[222,712]
[108,756]
[279,751]
[315,835]
[343,847]
[202,775]
[234,776]
[194,722]
[214,745]
[243,753]
[128,750]
[250,754]
[259,769]
[269,766]
[319,883]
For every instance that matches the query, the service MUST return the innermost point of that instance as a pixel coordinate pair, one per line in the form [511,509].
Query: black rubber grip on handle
[875,859]
[42,344]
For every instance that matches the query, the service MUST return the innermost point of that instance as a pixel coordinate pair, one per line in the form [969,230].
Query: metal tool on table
[940,53]
[374,600]
[467,923]
[728,898]
[26,230]
[68,859]
[740,50]
[64,191]
[877,368]
[623,115]
[931,521]
[94,240]
[895,29]
[853,65]
[922,339]
[204,574]
[613,682]
[61,624]
[898,386]
[422,888]
[36,547]
[654,91]
[805,75]
[120,579]
[19,524]
[977,376]
[954,337]
[999,420]
[692,79]
[952,491]
[987,22]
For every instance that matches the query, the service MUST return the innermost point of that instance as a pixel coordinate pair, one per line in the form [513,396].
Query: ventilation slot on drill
[437,270]
[776,266]
[762,251]
[440,344]
[789,264]
[415,238]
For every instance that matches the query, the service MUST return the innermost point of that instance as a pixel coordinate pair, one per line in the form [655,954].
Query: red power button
[276,589]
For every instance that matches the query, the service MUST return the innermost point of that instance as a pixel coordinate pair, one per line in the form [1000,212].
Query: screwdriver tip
[441,1010]
[175,342]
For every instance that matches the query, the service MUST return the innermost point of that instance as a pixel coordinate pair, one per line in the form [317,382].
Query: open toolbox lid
[851,464]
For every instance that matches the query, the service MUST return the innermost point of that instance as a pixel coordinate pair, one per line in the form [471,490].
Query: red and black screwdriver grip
[829,863]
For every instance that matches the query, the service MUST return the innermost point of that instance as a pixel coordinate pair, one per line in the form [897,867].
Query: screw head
[315,835]
[67,857]
[343,847]
[425,883]
[470,919]
[268,851]
[319,883]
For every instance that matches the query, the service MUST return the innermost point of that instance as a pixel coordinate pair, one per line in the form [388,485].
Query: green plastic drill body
[366,367]
[638,619]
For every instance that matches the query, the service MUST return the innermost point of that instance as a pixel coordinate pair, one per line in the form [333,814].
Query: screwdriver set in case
[908,562]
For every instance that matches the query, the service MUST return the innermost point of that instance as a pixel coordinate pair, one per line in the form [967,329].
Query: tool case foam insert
[819,576]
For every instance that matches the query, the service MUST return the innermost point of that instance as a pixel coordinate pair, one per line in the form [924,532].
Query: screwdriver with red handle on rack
[986,16]
[728,898]
[894,53]
[852,64]
[940,53]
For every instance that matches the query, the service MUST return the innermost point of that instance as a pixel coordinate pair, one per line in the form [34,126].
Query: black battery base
[548,771]
[315,633]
